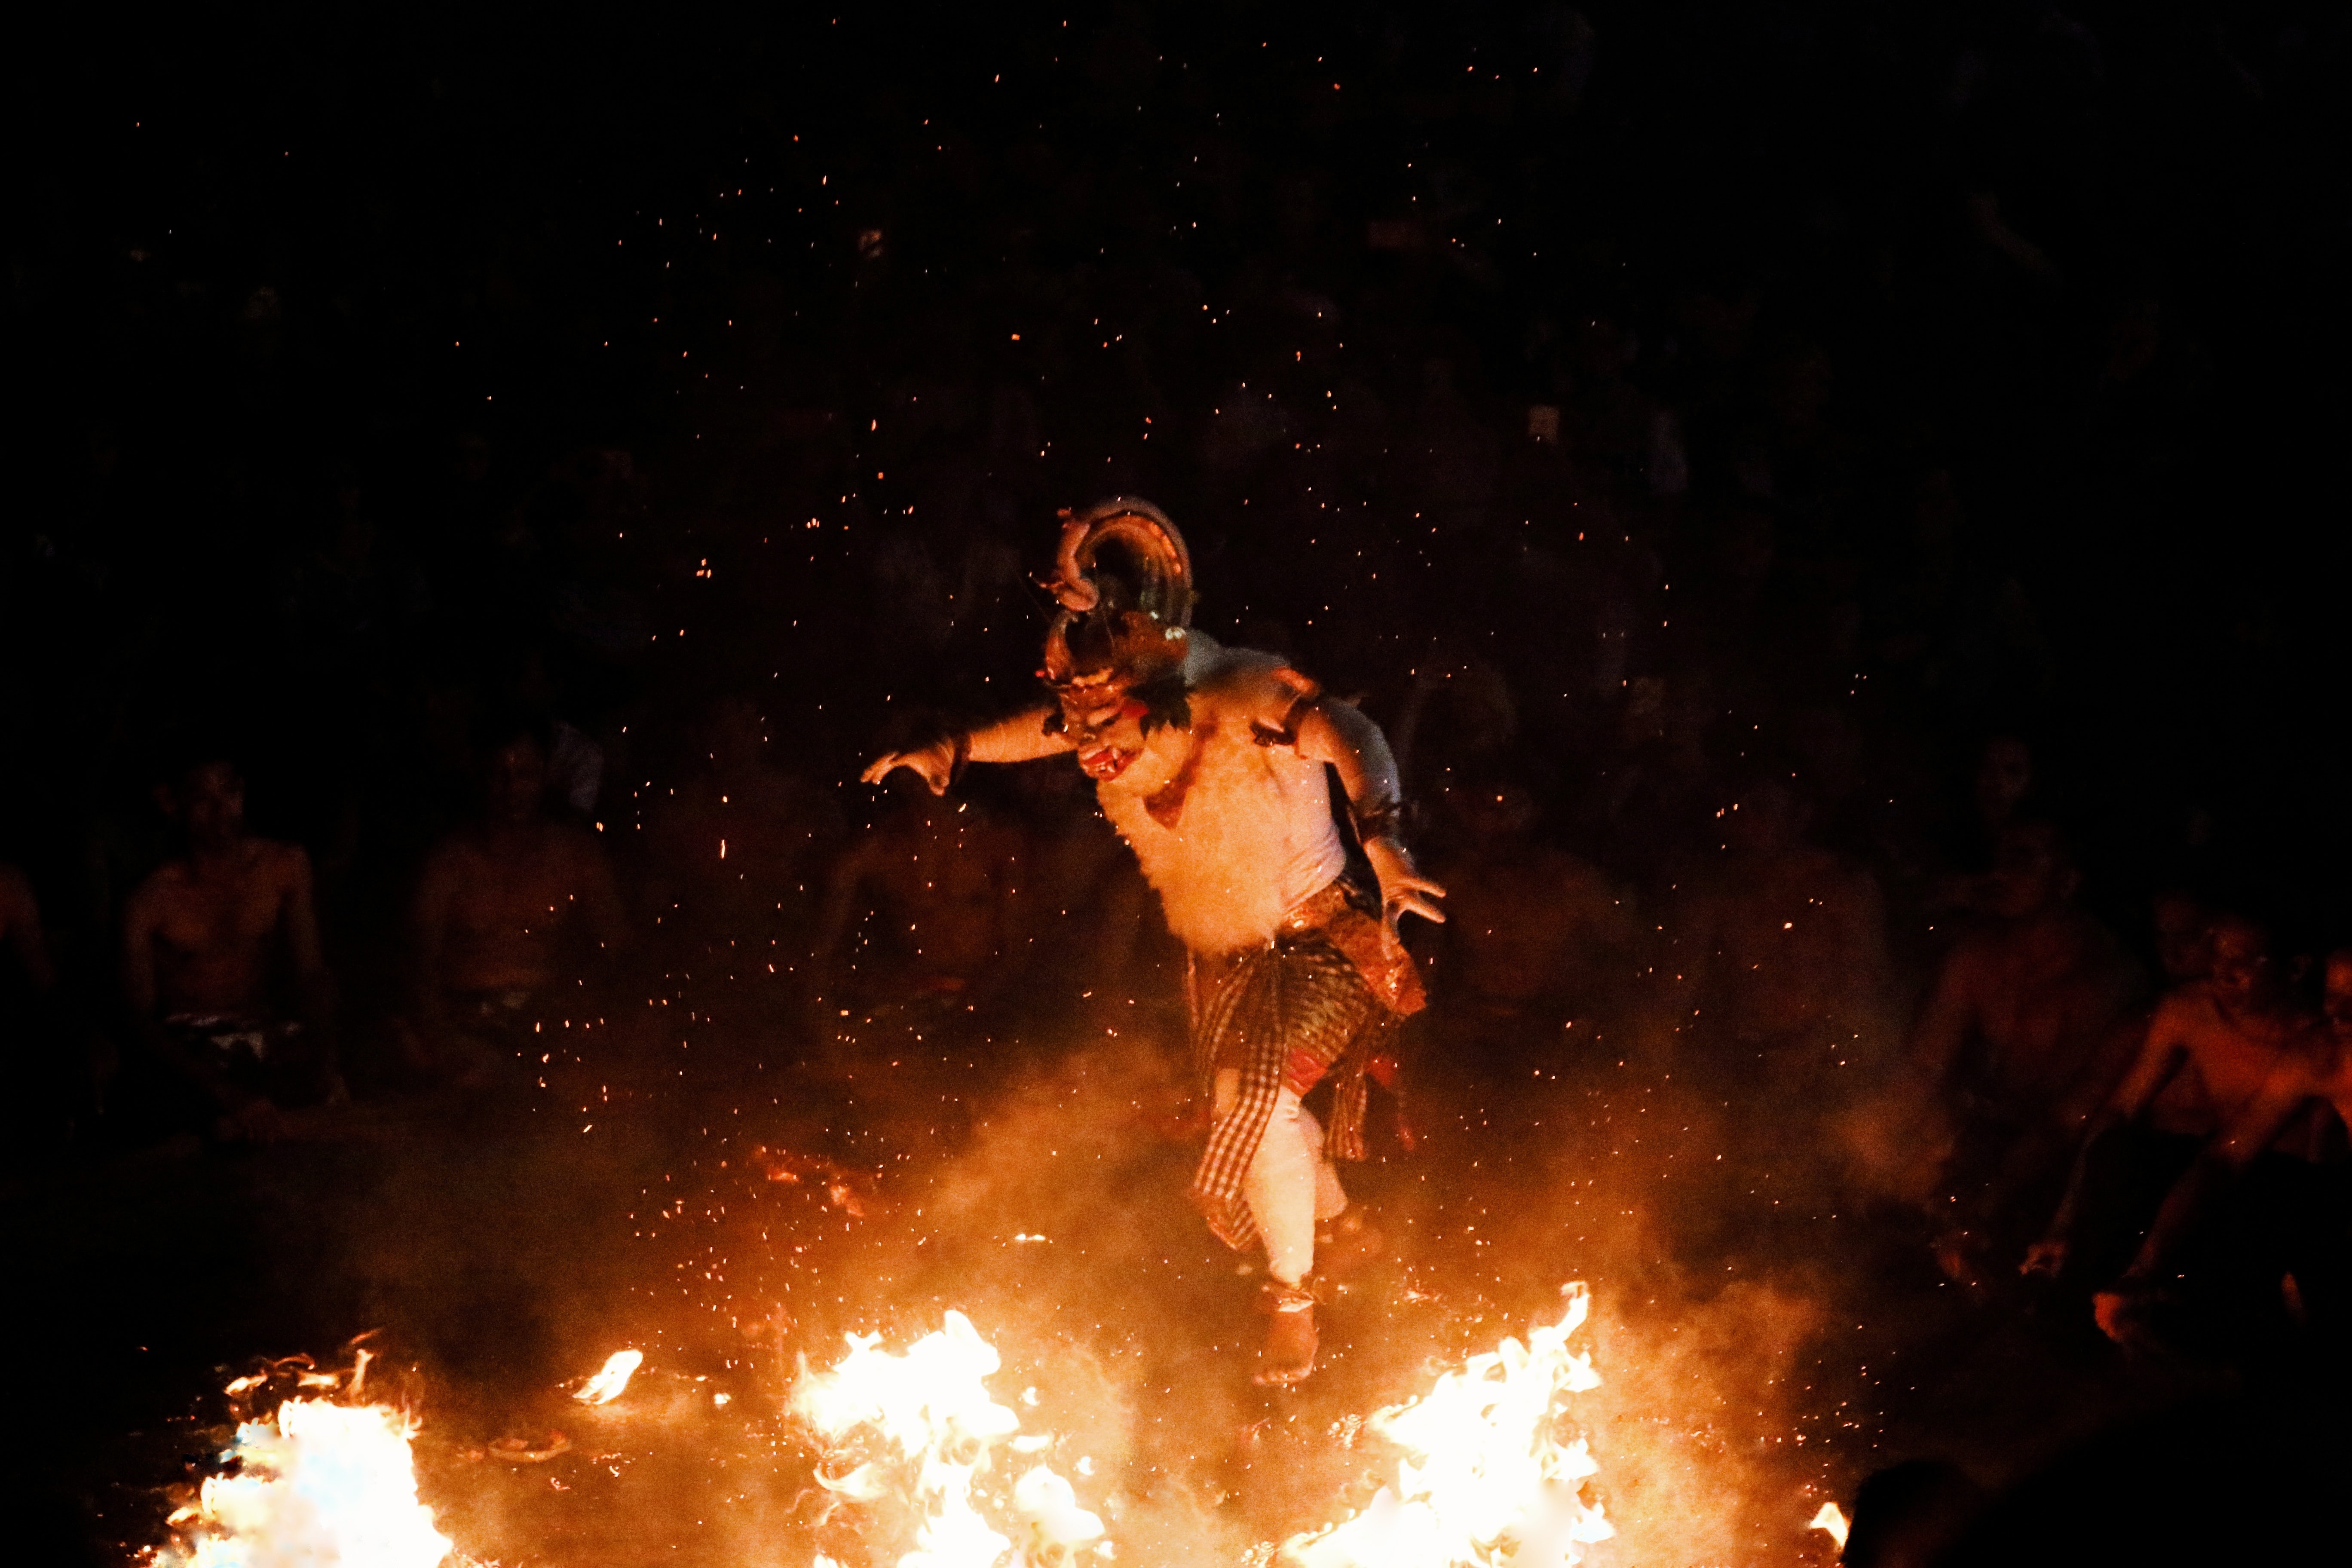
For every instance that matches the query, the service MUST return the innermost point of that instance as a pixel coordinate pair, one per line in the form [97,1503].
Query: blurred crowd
[420,644]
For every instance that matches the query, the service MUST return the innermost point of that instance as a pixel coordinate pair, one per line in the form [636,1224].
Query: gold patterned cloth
[1318,1001]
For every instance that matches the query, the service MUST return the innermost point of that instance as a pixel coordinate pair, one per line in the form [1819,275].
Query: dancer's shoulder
[1245,678]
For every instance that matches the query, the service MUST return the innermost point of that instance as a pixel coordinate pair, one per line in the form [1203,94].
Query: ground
[1760,1350]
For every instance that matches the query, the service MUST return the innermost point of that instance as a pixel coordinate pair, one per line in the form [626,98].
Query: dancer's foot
[1289,1353]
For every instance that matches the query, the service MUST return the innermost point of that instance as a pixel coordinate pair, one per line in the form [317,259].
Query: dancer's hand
[1403,890]
[2121,1313]
[2126,1311]
[934,765]
[2045,1258]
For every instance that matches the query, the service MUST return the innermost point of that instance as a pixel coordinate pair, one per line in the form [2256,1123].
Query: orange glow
[1485,1480]
[609,1383]
[318,1484]
[931,1406]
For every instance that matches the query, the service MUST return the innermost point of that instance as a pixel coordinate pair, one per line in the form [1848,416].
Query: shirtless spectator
[2211,1049]
[2023,1037]
[20,931]
[1532,929]
[53,1087]
[2299,1112]
[2004,784]
[738,851]
[202,937]
[1088,912]
[928,897]
[1785,948]
[507,911]
[2336,1002]
[2184,935]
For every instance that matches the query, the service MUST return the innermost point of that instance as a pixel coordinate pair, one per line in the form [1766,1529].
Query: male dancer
[1209,761]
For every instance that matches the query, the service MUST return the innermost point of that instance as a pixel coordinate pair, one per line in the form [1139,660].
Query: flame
[318,1486]
[612,1379]
[932,1404]
[1831,1519]
[1486,1480]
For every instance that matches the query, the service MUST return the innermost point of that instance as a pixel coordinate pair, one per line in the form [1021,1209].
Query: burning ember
[318,1485]
[841,1188]
[1488,1477]
[613,1379]
[931,1406]
[1485,1480]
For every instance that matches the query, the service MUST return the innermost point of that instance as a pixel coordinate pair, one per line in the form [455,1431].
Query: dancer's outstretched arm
[1018,739]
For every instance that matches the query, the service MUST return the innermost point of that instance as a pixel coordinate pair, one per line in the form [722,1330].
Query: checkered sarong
[1298,995]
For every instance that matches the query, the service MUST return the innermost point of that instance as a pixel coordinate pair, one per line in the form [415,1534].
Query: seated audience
[20,931]
[509,910]
[1909,1515]
[1529,929]
[737,853]
[1088,917]
[2002,790]
[922,907]
[2184,935]
[2022,1037]
[57,1089]
[2210,1049]
[2293,1123]
[203,939]
[1784,948]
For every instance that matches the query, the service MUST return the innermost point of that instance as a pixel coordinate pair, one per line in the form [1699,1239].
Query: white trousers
[1290,1185]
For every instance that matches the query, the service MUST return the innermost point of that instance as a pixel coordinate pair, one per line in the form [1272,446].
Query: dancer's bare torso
[1232,825]
[1228,812]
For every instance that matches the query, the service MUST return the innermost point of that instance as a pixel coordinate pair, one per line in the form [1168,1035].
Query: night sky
[257,258]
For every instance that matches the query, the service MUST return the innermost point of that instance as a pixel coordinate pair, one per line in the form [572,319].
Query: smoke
[1136,1330]
[1059,1228]
[510,1254]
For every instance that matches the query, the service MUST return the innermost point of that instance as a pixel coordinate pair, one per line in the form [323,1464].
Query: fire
[613,1379]
[320,1485]
[1833,1519]
[1485,1480]
[932,1406]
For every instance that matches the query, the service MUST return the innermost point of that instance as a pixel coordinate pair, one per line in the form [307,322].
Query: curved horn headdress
[1124,580]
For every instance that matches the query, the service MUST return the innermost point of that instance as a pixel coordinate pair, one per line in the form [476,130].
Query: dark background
[2077,274]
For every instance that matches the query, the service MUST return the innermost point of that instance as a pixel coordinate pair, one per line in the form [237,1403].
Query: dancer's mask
[1123,580]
